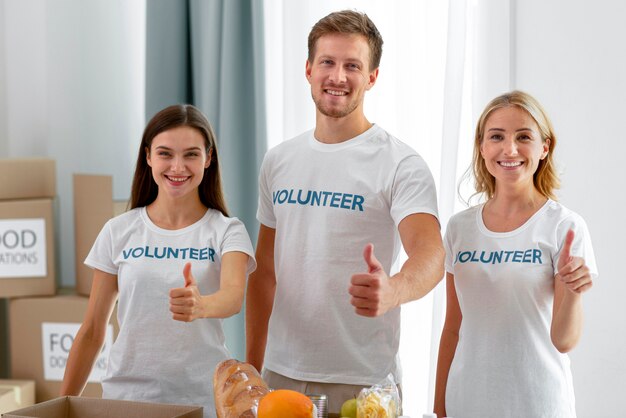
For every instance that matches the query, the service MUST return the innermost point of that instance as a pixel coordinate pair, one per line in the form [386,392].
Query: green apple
[348,409]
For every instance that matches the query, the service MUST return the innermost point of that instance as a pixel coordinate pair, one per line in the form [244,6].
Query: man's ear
[307,71]
[373,76]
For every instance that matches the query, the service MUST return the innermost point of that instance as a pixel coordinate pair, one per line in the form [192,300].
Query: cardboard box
[93,207]
[75,407]
[37,178]
[27,248]
[15,394]
[41,333]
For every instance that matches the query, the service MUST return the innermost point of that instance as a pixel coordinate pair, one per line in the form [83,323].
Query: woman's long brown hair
[144,189]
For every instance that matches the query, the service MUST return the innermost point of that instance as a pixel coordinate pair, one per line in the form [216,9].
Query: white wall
[571,55]
[72,81]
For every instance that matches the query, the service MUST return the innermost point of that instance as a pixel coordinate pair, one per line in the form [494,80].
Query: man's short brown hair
[349,22]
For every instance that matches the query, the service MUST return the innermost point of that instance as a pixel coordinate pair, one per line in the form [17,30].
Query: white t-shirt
[326,202]
[505,364]
[154,357]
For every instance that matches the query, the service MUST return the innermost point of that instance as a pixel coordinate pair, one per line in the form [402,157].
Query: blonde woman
[517,266]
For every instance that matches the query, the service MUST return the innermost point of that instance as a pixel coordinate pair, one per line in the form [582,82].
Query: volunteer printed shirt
[505,364]
[326,202]
[156,358]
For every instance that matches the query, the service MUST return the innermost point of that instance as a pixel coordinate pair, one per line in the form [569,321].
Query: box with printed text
[41,333]
[27,265]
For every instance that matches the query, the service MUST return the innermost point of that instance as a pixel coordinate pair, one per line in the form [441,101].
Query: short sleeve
[265,211]
[236,238]
[581,247]
[413,190]
[447,245]
[101,255]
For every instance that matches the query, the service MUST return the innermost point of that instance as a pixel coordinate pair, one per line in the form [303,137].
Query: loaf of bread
[238,387]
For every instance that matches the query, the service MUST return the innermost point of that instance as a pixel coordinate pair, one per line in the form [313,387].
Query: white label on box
[57,339]
[22,248]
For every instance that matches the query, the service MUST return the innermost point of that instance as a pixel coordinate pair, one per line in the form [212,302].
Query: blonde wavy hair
[545,179]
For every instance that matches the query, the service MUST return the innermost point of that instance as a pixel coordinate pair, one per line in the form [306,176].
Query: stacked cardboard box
[42,331]
[43,320]
[15,394]
[93,207]
[26,227]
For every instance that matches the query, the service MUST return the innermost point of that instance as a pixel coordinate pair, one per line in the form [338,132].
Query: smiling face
[178,159]
[339,74]
[512,146]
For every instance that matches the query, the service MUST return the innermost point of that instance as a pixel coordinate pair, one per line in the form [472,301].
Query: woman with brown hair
[176,262]
[517,266]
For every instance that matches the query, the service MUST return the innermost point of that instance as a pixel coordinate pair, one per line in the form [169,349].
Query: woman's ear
[546,148]
[208,158]
[148,156]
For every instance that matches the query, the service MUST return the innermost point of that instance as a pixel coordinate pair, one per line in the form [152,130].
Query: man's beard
[334,112]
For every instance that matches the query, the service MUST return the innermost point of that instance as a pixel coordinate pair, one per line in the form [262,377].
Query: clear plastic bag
[379,401]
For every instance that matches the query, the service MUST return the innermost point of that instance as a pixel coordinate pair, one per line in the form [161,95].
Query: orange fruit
[285,403]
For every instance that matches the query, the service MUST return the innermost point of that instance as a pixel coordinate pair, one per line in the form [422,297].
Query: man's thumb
[370,259]
[189,280]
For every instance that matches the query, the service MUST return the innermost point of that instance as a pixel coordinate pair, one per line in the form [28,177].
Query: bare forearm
[223,303]
[259,303]
[83,355]
[447,347]
[567,322]
[418,275]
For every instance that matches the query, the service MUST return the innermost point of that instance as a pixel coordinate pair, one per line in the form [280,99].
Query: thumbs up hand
[573,271]
[372,294]
[186,302]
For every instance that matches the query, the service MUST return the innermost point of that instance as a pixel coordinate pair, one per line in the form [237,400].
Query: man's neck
[336,130]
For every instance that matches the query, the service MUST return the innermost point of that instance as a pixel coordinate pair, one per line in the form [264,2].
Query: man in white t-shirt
[322,313]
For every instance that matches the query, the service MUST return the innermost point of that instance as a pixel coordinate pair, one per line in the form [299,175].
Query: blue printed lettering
[358,201]
[290,199]
[193,253]
[282,196]
[303,201]
[345,201]
[496,257]
[172,252]
[137,252]
[212,254]
[148,252]
[326,194]
[482,257]
[156,252]
[126,254]
[204,253]
[339,200]
[465,256]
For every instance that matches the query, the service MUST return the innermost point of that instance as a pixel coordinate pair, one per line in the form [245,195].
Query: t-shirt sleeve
[101,255]
[413,190]
[236,238]
[447,245]
[581,247]
[265,211]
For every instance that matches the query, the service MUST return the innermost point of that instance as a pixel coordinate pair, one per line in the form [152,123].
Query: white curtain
[419,97]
